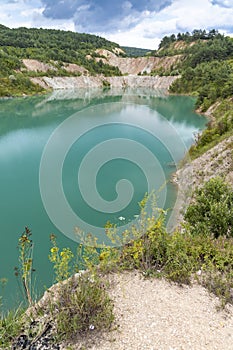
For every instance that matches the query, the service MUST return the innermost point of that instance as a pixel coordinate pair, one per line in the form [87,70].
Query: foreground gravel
[152,314]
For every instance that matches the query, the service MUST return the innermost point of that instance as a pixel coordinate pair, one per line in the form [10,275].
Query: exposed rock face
[215,162]
[74,68]
[98,82]
[137,65]
[130,66]
[37,66]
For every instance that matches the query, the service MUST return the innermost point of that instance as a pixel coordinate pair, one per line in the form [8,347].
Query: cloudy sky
[140,23]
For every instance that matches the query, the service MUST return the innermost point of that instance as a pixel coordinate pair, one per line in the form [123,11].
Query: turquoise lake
[100,150]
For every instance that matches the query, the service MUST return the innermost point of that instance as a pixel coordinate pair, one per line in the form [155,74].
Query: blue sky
[140,23]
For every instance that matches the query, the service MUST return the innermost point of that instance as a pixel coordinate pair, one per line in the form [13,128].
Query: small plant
[83,307]
[10,326]
[106,84]
[25,246]
[61,260]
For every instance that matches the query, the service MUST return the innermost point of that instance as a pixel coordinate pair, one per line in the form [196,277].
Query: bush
[212,210]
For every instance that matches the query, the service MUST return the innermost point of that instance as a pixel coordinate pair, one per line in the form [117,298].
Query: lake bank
[128,81]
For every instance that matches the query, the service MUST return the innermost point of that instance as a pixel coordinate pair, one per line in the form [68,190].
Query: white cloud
[25,13]
[180,16]
[146,28]
[223,3]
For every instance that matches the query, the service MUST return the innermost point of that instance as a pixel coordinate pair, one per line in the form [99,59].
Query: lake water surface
[124,143]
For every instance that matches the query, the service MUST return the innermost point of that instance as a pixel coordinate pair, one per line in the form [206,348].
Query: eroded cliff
[83,81]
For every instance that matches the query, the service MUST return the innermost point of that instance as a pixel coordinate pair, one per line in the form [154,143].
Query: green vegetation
[135,52]
[24,272]
[61,260]
[18,85]
[206,71]
[209,81]
[219,128]
[10,327]
[212,211]
[85,308]
[51,39]
[186,42]
[55,47]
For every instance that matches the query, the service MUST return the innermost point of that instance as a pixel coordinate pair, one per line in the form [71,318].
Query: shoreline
[91,82]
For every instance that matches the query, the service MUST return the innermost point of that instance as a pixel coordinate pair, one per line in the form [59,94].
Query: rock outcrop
[130,65]
[134,72]
[83,81]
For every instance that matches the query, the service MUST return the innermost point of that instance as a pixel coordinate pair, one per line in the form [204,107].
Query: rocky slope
[129,67]
[83,81]
[218,161]
[138,65]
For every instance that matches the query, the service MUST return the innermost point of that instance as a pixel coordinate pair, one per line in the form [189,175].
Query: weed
[25,246]
[82,308]
[10,327]
[61,260]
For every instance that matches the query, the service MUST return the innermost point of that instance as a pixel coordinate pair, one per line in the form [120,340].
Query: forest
[206,67]
[46,45]
[207,73]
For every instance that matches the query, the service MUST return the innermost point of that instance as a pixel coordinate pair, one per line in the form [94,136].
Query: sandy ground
[152,314]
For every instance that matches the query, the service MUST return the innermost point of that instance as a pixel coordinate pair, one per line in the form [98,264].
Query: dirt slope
[155,315]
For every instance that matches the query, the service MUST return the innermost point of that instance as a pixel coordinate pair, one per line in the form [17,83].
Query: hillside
[27,55]
[56,48]
[206,71]
[135,51]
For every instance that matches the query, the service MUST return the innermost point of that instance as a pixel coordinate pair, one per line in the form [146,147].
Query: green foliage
[82,303]
[218,129]
[203,250]
[198,35]
[210,81]
[207,72]
[106,84]
[212,210]
[18,85]
[50,46]
[135,52]
[83,308]
[53,39]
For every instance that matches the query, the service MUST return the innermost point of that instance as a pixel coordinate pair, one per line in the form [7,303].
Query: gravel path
[155,315]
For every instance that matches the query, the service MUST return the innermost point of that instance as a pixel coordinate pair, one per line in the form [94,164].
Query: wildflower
[54,250]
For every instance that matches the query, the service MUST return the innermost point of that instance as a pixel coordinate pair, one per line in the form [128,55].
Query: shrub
[212,210]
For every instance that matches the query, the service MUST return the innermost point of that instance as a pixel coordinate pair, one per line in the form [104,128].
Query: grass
[84,308]
[11,325]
